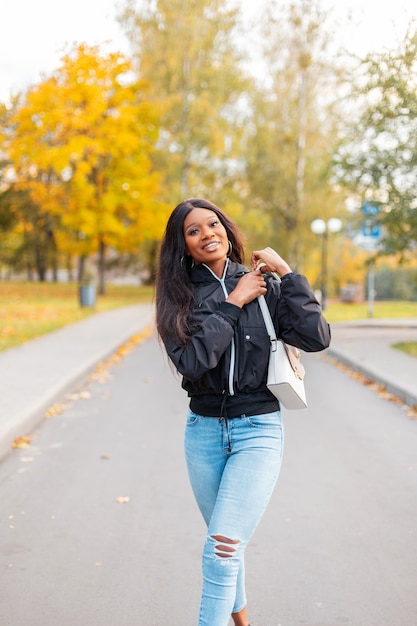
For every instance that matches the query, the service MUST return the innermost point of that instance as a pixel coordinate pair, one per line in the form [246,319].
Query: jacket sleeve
[208,343]
[298,315]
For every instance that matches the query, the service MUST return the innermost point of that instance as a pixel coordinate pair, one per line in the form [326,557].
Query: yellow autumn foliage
[81,145]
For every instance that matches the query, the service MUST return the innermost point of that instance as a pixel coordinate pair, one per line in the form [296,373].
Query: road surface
[99,527]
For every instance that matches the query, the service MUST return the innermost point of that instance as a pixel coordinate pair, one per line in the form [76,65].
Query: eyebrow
[210,217]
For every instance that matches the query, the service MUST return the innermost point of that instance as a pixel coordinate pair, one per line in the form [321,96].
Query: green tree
[295,126]
[378,160]
[186,52]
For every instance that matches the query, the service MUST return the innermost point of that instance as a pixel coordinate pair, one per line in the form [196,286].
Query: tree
[294,129]
[185,50]
[27,234]
[80,146]
[378,160]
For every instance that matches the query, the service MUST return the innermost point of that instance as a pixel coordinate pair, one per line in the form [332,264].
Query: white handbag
[285,371]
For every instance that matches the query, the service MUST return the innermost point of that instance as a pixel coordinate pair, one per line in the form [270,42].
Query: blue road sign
[370,233]
[370,228]
[370,208]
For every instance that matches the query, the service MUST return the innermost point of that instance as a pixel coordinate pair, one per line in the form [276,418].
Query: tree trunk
[81,268]
[40,264]
[101,268]
[70,277]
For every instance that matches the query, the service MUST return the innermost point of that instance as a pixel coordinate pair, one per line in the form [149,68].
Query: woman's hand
[271,261]
[249,287]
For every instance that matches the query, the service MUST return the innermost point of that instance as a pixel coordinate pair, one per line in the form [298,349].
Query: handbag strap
[267,318]
[293,353]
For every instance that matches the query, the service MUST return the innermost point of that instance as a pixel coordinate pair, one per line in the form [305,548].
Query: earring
[183,261]
[230,248]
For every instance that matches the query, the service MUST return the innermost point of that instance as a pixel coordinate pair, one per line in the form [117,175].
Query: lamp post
[320,227]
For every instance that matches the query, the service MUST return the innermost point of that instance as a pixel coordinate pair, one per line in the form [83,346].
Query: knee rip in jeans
[225,548]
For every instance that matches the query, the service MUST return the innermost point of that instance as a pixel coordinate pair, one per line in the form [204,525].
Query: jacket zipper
[232,345]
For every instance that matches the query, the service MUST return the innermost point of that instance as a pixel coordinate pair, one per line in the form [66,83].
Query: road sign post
[370,238]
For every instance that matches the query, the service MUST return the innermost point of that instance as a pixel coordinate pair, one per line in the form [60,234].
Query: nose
[206,232]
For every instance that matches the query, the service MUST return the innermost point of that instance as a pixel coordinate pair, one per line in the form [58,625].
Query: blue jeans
[233,466]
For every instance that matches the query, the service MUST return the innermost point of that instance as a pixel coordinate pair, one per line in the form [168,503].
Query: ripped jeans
[233,466]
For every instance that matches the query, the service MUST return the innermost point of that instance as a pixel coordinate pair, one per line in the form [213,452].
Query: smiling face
[206,239]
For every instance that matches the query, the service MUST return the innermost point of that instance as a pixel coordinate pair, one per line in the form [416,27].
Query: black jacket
[224,365]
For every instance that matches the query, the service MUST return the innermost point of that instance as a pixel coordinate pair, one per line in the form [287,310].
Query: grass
[342,312]
[29,310]
[346,311]
[409,347]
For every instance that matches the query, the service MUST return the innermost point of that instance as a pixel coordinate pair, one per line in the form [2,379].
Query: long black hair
[174,295]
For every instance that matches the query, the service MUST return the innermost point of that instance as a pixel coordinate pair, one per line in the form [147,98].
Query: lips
[212,245]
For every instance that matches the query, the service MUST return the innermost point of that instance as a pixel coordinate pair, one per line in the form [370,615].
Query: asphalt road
[99,527]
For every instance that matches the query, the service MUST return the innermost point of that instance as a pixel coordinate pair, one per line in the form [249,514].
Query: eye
[192,231]
[214,223]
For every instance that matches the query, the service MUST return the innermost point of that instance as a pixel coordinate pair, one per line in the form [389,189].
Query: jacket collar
[202,274]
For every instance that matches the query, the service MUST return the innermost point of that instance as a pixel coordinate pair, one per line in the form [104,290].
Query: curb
[408,397]
[20,420]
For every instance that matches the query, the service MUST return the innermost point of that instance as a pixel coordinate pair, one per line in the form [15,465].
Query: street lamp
[320,227]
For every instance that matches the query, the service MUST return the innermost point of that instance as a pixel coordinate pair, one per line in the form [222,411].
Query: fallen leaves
[378,388]
[123,500]
[31,309]
[101,375]
[22,442]
[79,395]
[412,412]
[55,409]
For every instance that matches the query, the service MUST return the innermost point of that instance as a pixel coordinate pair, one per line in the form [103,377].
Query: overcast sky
[35,33]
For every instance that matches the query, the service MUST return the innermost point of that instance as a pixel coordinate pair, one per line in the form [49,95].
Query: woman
[210,322]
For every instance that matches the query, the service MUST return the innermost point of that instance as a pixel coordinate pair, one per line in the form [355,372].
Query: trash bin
[87,295]
[351,293]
